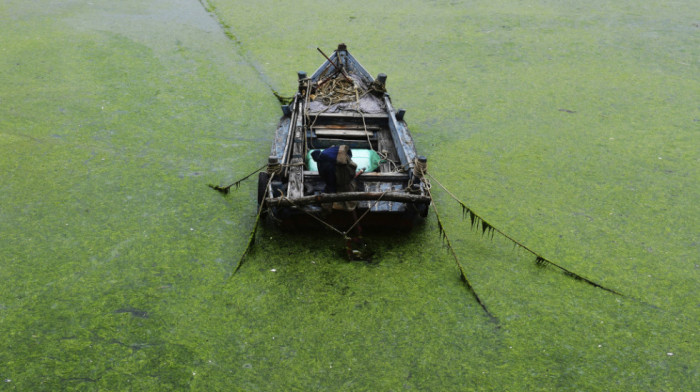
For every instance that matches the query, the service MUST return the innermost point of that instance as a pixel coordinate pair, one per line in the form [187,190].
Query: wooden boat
[342,104]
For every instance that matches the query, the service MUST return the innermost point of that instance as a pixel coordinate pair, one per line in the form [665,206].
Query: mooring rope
[366,212]
[539,259]
[251,239]
[345,233]
[226,189]
[462,274]
[328,225]
[420,169]
[274,168]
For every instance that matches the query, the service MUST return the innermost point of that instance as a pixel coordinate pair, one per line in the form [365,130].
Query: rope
[485,226]
[363,215]
[274,168]
[226,189]
[462,274]
[364,125]
[362,114]
[328,225]
[420,169]
[251,239]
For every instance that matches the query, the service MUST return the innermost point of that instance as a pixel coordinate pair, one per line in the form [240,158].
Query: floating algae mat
[115,258]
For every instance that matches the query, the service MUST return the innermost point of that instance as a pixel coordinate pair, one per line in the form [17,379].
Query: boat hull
[341,104]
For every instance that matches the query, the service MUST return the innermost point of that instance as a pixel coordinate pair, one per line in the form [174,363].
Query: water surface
[572,127]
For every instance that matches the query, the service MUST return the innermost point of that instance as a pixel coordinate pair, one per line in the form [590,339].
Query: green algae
[572,127]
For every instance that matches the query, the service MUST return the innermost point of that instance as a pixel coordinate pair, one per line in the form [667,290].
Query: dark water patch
[134,312]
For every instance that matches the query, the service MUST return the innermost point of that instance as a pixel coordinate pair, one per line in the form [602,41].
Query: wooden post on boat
[302,81]
[400,114]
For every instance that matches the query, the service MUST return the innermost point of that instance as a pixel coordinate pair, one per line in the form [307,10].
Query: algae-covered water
[571,126]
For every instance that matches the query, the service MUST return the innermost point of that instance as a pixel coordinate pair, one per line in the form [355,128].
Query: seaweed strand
[487,228]
[462,274]
[237,184]
[251,239]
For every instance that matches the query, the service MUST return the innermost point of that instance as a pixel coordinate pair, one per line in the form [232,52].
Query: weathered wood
[385,144]
[360,127]
[347,196]
[281,136]
[402,138]
[381,187]
[359,143]
[348,62]
[342,133]
[294,120]
[295,186]
[348,114]
[374,176]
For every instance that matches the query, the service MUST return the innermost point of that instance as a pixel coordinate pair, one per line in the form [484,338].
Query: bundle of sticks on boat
[338,90]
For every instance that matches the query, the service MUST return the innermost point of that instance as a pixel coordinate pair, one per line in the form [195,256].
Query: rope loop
[419,168]
[274,168]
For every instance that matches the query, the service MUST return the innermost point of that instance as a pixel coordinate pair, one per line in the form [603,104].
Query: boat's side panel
[295,187]
[402,138]
[354,67]
[280,137]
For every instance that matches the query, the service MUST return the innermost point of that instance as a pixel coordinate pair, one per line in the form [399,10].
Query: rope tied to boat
[274,168]
[345,233]
[420,168]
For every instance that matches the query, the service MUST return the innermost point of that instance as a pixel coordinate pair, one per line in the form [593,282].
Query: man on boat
[336,167]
